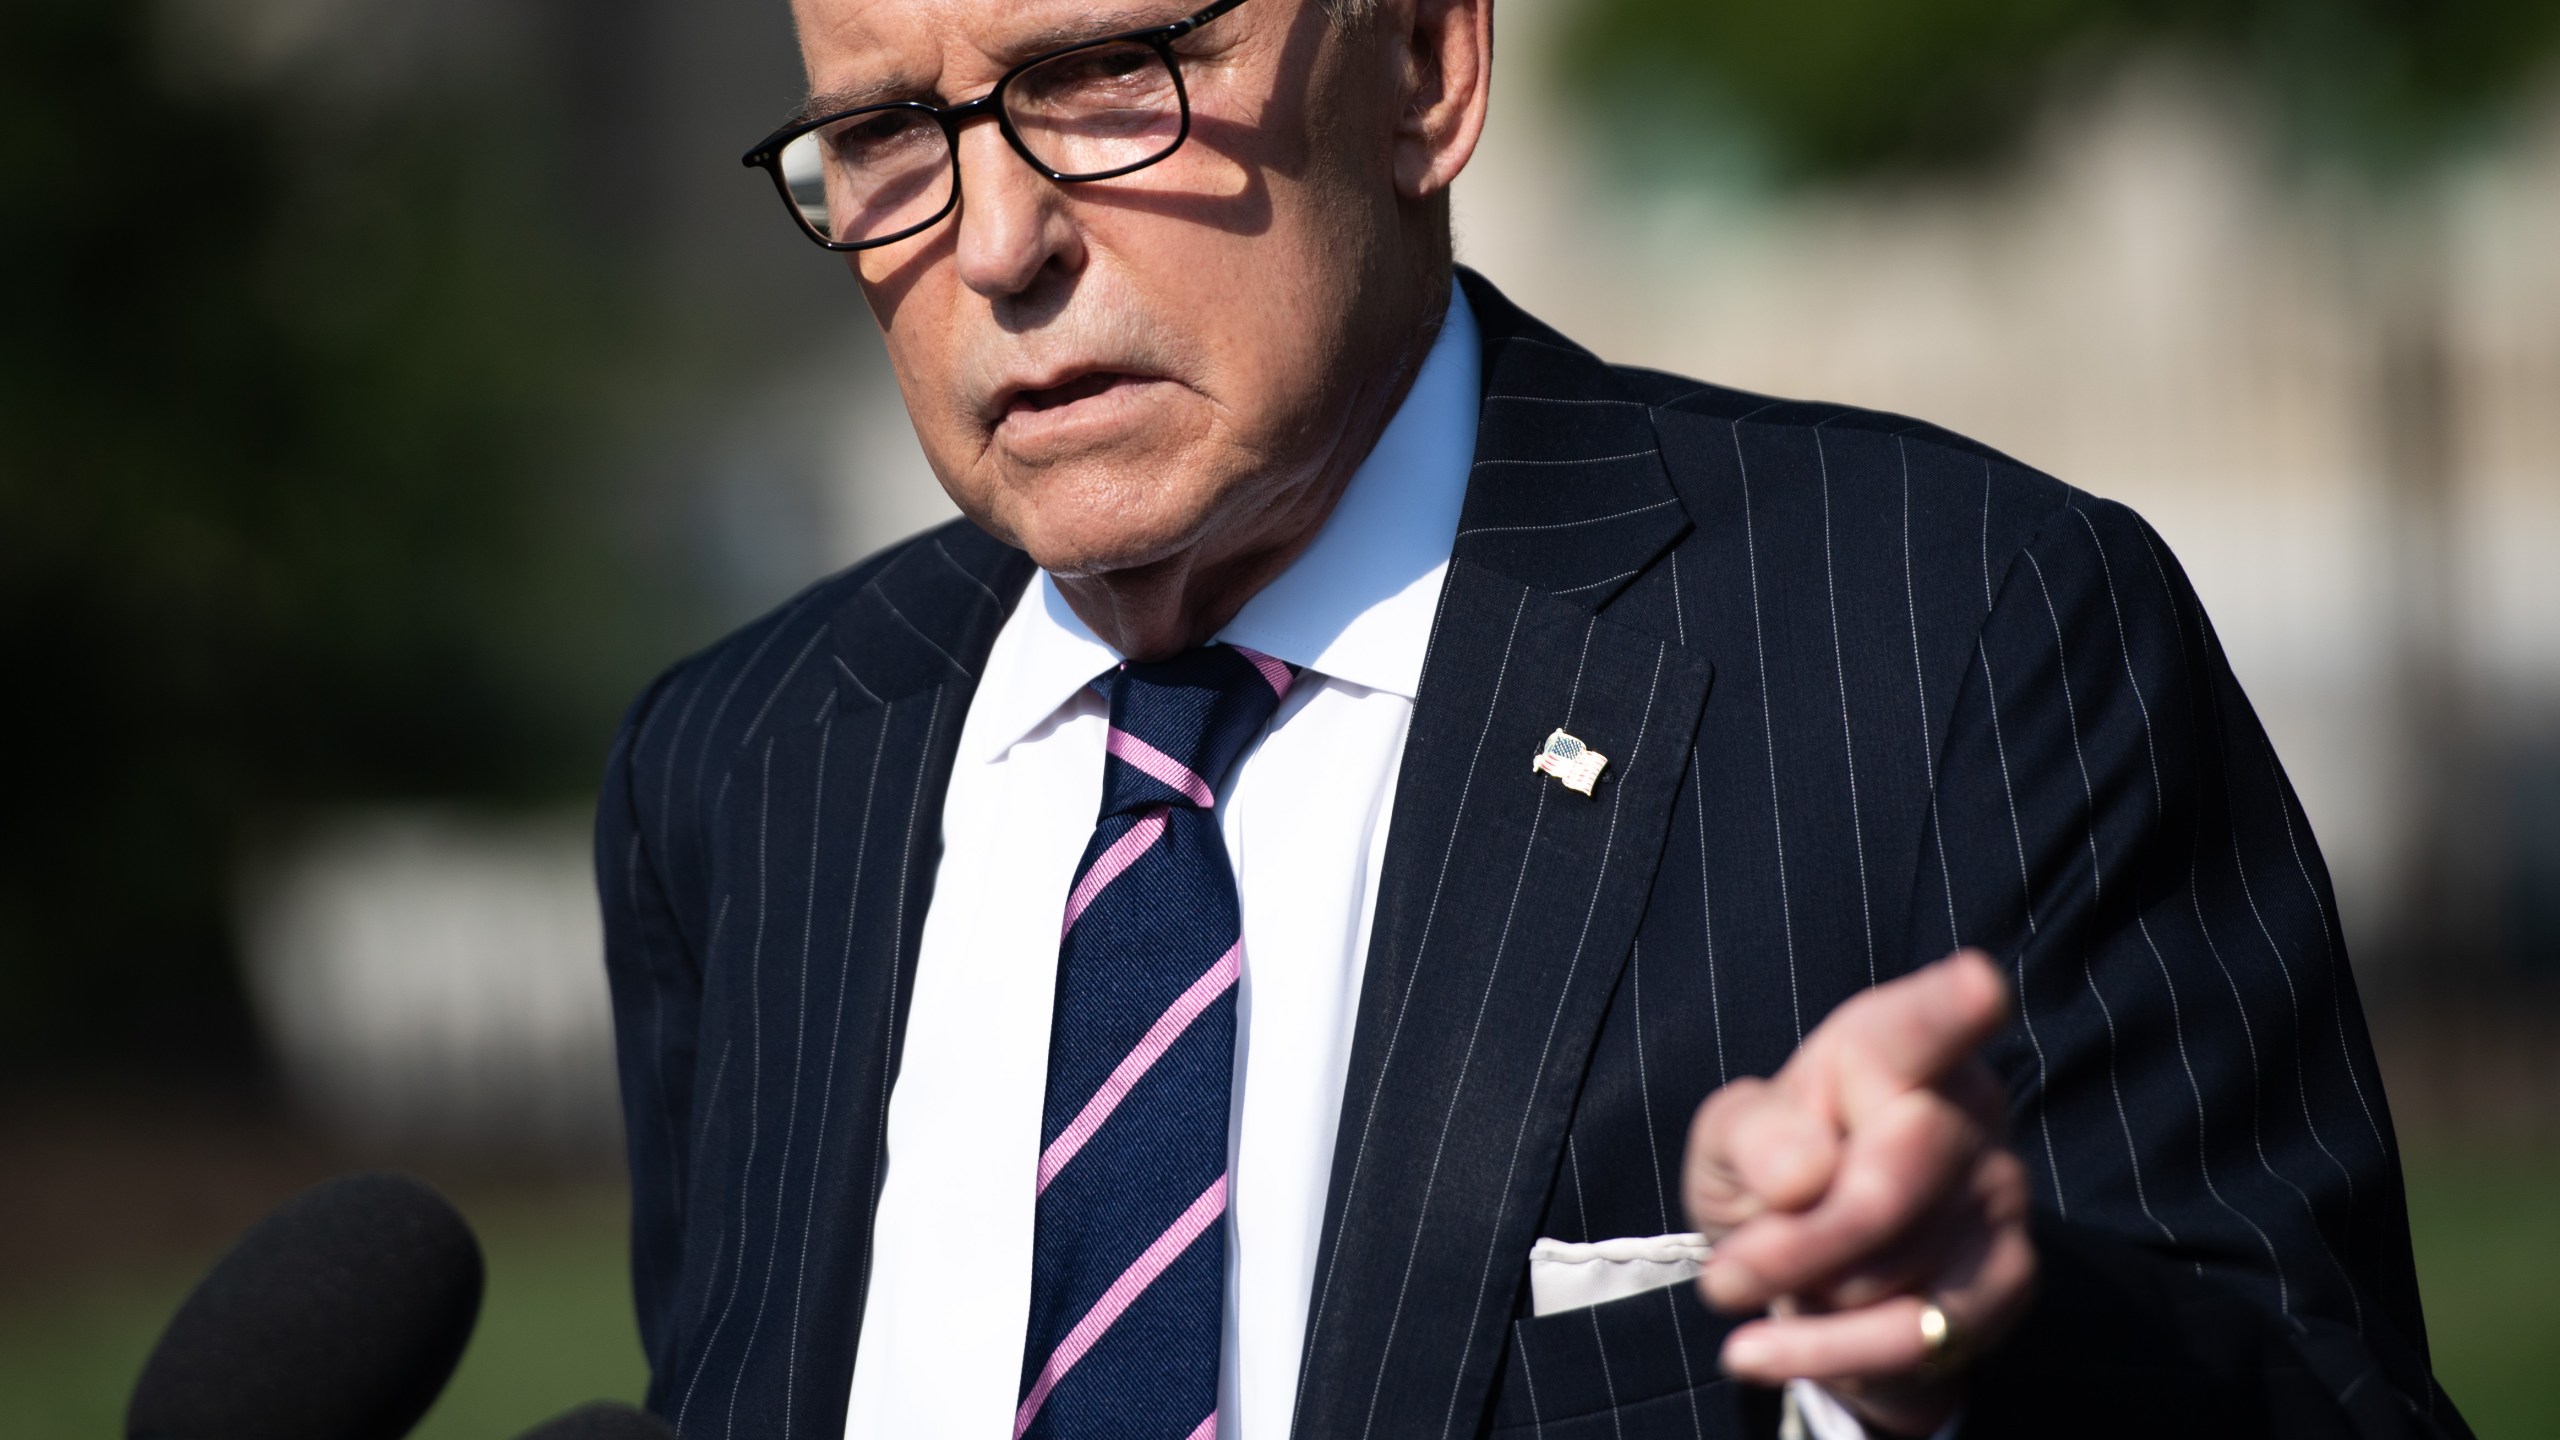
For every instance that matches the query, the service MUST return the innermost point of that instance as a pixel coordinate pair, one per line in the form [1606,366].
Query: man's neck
[1151,611]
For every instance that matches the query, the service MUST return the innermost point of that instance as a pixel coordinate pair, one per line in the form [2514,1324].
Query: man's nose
[1012,221]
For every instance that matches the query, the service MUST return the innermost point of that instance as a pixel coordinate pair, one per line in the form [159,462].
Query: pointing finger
[1910,1032]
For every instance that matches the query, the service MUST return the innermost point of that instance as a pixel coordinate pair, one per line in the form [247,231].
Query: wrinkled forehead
[859,51]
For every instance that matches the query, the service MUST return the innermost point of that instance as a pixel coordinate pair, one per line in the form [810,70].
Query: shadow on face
[1119,372]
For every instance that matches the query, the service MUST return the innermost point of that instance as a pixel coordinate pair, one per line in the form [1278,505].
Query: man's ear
[1445,60]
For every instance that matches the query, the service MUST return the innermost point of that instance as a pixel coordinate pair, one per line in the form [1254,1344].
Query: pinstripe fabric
[1869,690]
[765,885]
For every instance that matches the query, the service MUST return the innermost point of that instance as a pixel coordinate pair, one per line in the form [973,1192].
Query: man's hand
[1863,1181]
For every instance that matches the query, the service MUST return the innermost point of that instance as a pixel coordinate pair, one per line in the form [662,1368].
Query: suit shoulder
[2011,479]
[785,627]
[1870,461]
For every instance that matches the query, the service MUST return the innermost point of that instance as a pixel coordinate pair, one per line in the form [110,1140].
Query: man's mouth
[1087,386]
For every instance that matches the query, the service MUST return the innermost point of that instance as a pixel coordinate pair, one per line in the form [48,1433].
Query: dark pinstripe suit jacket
[1869,690]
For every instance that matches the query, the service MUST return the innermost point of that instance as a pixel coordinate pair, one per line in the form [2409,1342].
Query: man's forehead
[858,51]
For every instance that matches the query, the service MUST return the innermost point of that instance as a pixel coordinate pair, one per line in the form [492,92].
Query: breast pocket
[1638,1368]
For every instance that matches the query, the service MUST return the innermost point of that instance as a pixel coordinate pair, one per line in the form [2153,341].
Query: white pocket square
[1567,1276]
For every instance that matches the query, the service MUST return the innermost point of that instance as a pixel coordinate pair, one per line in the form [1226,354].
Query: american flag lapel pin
[1577,765]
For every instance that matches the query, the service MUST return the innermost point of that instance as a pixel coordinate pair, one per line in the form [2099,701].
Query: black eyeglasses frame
[767,153]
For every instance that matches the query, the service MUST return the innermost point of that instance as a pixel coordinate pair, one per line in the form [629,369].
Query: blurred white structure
[436,979]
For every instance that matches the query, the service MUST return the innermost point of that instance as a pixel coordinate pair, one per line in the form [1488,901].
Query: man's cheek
[897,279]
[957,448]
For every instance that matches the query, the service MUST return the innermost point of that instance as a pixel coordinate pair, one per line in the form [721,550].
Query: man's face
[1114,373]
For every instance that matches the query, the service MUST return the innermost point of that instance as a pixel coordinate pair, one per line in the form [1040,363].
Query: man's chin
[1097,501]
[1116,521]
[1088,546]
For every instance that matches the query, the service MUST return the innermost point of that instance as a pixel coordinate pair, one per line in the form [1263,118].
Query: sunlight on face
[1112,372]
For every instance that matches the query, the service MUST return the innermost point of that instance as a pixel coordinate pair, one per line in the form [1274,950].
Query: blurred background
[388,388]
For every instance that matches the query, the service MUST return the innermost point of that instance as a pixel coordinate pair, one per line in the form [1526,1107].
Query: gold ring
[1941,1339]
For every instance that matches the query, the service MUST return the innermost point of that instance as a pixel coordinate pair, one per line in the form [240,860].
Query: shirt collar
[1356,606]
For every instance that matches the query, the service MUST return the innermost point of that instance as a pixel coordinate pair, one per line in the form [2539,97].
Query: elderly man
[1393,879]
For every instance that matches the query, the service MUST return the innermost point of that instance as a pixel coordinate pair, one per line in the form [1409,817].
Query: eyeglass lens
[1082,115]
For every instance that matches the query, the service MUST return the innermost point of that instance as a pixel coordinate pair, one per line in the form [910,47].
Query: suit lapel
[1507,902]
[872,768]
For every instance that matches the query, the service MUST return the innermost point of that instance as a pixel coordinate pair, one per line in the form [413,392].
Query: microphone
[602,1421]
[337,1317]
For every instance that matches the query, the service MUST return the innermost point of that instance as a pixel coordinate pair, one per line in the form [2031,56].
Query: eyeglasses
[880,173]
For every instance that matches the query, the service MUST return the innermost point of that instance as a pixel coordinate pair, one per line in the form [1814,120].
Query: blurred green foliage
[1820,89]
[298,411]
[2487,1253]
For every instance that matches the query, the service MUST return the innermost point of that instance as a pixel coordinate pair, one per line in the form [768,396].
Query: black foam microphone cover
[603,1420]
[337,1317]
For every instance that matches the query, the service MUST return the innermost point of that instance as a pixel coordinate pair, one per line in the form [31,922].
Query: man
[1496,755]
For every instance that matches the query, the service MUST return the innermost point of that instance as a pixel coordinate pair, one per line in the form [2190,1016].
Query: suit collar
[928,616]
[1569,493]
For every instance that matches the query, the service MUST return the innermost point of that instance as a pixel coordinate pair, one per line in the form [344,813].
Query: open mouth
[1088,386]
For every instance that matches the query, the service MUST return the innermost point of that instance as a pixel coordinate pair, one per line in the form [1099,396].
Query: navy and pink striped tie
[1129,1256]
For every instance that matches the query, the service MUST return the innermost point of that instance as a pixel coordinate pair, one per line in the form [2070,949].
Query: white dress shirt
[1305,816]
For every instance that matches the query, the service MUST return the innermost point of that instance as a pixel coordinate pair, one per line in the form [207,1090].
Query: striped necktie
[1129,1250]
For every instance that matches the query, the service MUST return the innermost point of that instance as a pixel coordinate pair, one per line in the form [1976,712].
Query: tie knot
[1179,725]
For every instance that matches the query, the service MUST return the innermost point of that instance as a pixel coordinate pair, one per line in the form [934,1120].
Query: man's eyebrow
[1090,25]
[854,97]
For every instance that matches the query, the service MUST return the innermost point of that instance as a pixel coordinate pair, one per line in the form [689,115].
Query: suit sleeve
[657,993]
[2220,1212]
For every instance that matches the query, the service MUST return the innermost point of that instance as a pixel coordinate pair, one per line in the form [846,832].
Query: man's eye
[1088,75]
[876,129]
[1108,64]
